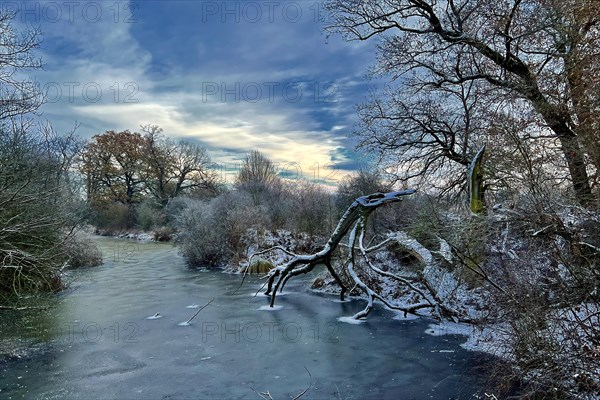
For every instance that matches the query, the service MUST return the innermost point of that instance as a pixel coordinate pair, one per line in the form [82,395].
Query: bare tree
[175,168]
[192,170]
[257,175]
[426,133]
[17,96]
[530,51]
[256,168]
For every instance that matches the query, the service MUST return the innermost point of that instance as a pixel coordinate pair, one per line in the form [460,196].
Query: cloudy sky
[231,75]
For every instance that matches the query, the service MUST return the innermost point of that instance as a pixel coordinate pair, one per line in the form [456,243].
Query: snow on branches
[432,286]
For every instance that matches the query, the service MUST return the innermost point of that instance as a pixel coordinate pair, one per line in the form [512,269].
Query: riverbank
[486,339]
[162,234]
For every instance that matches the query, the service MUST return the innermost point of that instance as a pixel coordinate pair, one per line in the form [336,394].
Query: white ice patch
[269,308]
[185,323]
[193,306]
[155,316]
[351,320]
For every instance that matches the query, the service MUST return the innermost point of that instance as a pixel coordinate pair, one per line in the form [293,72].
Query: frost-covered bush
[174,208]
[199,238]
[82,252]
[539,261]
[235,214]
[210,232]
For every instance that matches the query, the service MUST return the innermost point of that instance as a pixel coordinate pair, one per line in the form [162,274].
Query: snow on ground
[132,235]
[487,340]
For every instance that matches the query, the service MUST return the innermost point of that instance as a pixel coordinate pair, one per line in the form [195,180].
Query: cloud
[231,82]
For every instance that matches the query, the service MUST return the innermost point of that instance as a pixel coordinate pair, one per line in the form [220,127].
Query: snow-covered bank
[158,235]
[488,340]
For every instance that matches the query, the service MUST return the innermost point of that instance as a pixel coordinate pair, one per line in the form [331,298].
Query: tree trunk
[475,181]
[559,123]
[577,168]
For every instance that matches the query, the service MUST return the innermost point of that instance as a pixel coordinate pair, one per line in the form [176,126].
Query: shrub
[81,252]
[163,234]
[260,266]
[313,209]
[199,237]
[115,216]
[210,232]
[34,213]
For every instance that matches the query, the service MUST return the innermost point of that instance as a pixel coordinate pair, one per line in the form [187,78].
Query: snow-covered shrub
[82,252]
[210,232]
[420,215]
[199,238]
[543,258]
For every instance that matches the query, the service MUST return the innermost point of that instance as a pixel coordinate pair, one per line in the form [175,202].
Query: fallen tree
[433,286]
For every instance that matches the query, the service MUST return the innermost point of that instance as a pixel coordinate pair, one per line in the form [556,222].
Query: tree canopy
[127,166]
[464,67]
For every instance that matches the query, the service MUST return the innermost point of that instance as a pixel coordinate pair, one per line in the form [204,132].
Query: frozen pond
[120,332]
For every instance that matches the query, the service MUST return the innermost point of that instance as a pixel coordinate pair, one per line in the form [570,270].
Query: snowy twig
[200,309]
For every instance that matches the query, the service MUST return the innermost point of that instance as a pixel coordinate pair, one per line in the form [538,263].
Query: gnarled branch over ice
[432,286]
